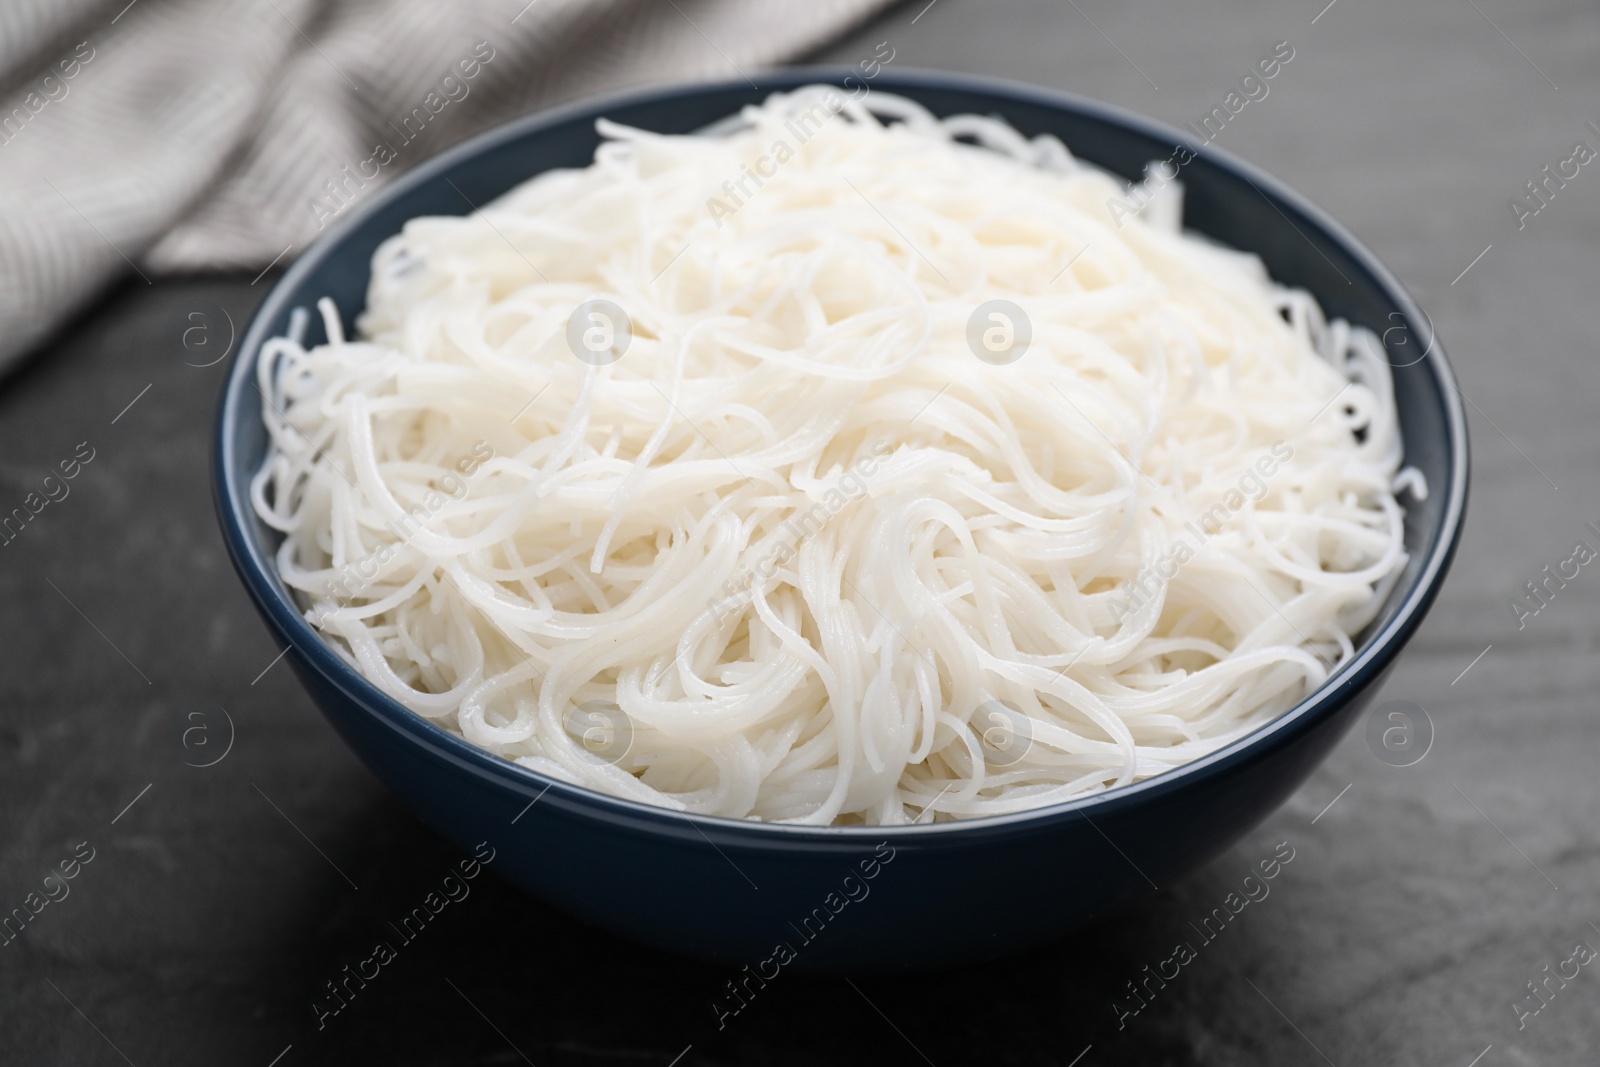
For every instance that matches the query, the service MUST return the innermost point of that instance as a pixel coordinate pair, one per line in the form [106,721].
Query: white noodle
[494,531]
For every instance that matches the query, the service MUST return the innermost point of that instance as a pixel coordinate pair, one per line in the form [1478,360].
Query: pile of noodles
[790,538]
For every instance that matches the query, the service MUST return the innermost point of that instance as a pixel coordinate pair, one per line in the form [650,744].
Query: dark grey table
[1421,900]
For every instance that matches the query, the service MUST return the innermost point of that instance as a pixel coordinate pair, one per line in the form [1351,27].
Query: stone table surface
[1419,904]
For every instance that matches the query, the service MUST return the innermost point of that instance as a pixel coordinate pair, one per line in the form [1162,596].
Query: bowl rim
[256,569]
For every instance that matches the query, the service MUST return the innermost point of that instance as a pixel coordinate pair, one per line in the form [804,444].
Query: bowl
[856,898]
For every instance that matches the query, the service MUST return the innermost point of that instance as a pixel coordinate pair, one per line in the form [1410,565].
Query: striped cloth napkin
[163,136]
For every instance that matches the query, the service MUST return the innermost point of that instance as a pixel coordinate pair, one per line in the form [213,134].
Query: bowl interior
[1224,199]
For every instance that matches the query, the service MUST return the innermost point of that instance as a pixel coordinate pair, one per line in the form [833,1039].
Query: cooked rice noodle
[830,565]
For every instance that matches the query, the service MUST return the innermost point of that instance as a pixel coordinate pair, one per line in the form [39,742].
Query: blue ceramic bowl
[857,897]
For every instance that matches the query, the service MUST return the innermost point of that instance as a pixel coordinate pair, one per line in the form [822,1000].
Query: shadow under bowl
[856,898]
